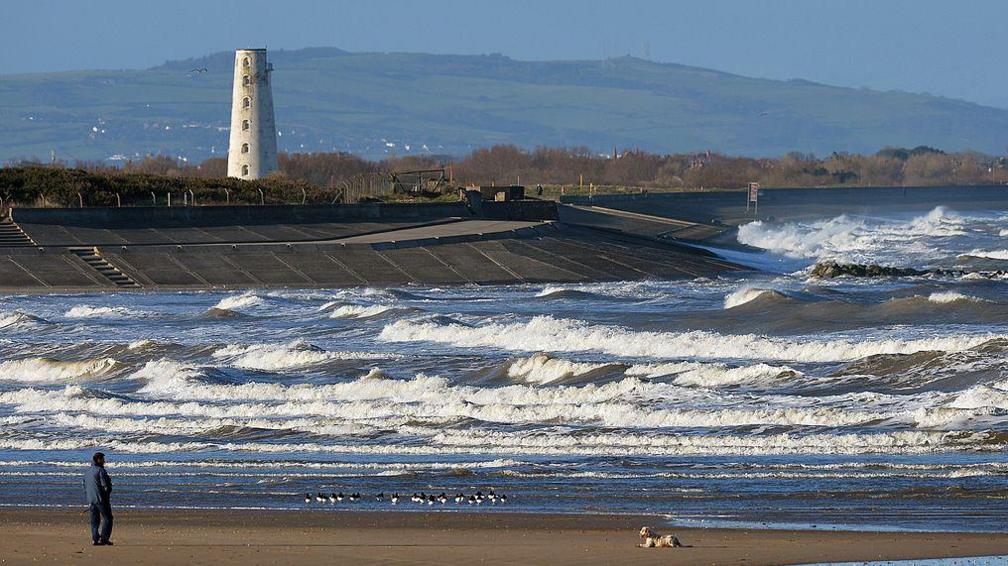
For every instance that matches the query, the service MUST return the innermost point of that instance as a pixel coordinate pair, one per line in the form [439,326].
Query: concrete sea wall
[161,216]
[328,246]
[783,204]
[550,253]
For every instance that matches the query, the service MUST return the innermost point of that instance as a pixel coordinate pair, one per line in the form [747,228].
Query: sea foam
[945,297]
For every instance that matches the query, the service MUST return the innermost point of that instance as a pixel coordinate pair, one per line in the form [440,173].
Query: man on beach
[98,490]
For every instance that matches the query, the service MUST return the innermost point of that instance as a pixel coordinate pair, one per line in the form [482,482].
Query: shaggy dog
[651,539]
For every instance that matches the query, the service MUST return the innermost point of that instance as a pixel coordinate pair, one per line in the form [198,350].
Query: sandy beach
[59,536]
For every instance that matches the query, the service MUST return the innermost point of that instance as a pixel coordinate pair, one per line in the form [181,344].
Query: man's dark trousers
[101,513]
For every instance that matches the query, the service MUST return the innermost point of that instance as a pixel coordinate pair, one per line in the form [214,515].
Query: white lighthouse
[252,151]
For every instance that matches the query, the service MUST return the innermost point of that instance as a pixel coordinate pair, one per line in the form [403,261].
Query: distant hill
[375,104]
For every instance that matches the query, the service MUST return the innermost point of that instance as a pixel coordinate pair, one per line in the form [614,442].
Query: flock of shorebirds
[421,498]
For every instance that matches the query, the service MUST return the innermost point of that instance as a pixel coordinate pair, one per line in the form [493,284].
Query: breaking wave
[560,293]
[236,302]
[546,333]
[1001,255]
[906,442]
[695,374]
[19,319]
[492,442]
[858,240]
[945,297]
[981,397]
[141,345]
[181,399]
[748,294]
[360,311]
[88,311]
[275,357]
[55,371]
[543,369]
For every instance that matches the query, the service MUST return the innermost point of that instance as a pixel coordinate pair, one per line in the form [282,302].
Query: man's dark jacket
[97,485]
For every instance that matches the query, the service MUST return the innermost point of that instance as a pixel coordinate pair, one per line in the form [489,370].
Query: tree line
[919,166]
[317,177]
[508,164]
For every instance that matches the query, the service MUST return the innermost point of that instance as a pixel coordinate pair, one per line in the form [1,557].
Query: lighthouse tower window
[244,148]
[245,125]
[245,170]
[246,102]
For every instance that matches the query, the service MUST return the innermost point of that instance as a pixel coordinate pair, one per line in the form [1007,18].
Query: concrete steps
[101,265]
[11,235]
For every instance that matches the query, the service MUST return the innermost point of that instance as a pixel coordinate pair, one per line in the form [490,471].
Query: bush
[52,186]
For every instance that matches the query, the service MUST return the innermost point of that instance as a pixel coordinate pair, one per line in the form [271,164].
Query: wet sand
[61,536]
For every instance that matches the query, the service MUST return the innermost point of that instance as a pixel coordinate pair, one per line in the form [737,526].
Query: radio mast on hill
[252,152]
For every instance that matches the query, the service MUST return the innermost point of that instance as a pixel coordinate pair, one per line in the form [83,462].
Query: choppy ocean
[768,400]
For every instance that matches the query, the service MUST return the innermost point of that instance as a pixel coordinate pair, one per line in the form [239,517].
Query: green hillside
[375,104]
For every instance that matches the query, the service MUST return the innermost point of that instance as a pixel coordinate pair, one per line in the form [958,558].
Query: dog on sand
[651,539]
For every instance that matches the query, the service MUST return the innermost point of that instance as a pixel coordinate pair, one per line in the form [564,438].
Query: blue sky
[950,48]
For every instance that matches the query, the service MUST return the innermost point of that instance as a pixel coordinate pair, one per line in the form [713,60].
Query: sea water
[768,399]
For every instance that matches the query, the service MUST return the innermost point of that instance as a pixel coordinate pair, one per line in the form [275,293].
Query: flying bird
[197,71]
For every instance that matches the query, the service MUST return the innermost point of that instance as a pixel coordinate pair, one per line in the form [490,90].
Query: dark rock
[830,269]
